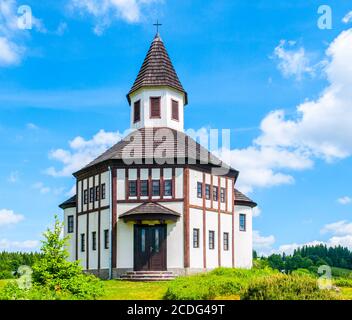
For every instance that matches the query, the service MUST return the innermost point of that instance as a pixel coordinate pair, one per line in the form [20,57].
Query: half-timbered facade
[158,200]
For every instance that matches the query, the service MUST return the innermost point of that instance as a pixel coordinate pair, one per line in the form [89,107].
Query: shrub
[219,282]
[303,272]
[56,273]
[286,287]
[343,282]
[6,274]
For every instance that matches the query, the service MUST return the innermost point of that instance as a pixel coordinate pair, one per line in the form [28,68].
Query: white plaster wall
[120,189]
[166,95]
[229,199]
[104,225]
[226,226]
[175,237]
[194,178]
[196,222]
[82,228]
[243,239]
[93,254]
[179,183]
[124,244]
[212,224]
[71,244]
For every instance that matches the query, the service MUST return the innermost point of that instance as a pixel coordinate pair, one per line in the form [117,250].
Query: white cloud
[6,244]
[257,212]
[14,177]
[105,11]
[338,228]
[344,200]
[32,126]
[12,38]
[292,61]
[41,187]
[8,217]
[82,152]
[347,18]
[262,244]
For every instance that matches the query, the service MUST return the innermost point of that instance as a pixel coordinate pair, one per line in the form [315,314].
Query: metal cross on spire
[157,24]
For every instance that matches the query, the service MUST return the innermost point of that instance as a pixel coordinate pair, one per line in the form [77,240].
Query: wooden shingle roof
[241,199]
[157,70]
[159,143]
[150,211]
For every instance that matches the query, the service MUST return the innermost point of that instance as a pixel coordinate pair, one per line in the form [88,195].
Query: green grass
[2,283]
[127,290]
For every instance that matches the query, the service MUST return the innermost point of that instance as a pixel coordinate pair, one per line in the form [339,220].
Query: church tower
[157,97]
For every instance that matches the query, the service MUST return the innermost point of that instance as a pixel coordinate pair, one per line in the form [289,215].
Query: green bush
[219,282]
[6,274]
[303,272]
[286,287]
[343,282]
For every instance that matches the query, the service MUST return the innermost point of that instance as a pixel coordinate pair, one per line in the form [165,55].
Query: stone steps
[148,276]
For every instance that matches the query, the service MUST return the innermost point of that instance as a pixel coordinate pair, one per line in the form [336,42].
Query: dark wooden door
[150,247]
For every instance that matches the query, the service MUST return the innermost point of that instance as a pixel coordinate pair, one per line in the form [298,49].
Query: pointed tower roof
[157,70]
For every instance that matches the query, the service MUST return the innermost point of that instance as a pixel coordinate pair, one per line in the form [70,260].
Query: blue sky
[246,65]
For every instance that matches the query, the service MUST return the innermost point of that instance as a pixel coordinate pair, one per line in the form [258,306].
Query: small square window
[226,241]
[70,224]
[242,222]
[106,239]
[207,191]
[94,241]
[103,191]
[211,240]
[132,188]
[175,110]
[83,242]
[156,188]
[223,195]
[137,111]
[85,197]
[199,190]
[144,188]
[167,187]
[195,238]
[215,193]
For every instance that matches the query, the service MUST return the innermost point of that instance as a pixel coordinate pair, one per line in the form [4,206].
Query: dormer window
[137,111]
[155,107]
[174,110]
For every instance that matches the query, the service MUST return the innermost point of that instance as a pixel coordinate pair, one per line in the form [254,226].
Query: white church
[155,205]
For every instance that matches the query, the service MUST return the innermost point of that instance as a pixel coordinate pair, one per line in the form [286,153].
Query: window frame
[211,239]
[244,227]
[200,191]
[103,191]
[177,104]
[70,224]
[130,183]
[155,195]
[135,113]
[85,196]
[207,192]
[222,195]
[169,181]
[106,239]
[91,194]
[226,242]
[97,193]
[196,237]
[83,242]
[141,189]
[151,116]
[94,240]
[215,193]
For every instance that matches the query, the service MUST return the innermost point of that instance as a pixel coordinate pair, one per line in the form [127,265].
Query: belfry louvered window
[174,110]
[155,107]
[137,111]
